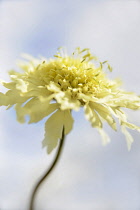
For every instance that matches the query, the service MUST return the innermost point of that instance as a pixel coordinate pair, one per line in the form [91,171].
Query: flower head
[57,86]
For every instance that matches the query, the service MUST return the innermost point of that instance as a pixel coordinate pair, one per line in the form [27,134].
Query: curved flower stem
[48,171]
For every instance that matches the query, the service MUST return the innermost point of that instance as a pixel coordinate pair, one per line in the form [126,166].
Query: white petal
[129,138]
[38,109]
[68,122]
[53,87]
[53,131]
[92,116]
[21,85]
[131,126]
[104,112]
[54,126]
[105,137]
[66,101]
[3,100]
[20,113]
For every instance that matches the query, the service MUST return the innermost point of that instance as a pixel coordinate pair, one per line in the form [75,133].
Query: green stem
[31,207]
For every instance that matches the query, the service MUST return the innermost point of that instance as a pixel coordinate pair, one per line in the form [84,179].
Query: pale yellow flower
[59,85]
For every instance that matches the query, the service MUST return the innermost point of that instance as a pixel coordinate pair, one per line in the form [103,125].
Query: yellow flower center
[72,74]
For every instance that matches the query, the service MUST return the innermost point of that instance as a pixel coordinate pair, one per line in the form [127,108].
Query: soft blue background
[88,176]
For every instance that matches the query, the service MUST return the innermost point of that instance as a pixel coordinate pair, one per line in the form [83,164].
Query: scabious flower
[59,85]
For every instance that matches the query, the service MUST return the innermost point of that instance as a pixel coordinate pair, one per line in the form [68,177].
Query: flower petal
[92,116]
[3,100]
[20,111]
[11,97]
[118,113]
[54,126]
[38,109]
[105,137]
[131,126]
[129,138]
[104,112]
[10,85]
[68,121]
[66,101]
[53,131]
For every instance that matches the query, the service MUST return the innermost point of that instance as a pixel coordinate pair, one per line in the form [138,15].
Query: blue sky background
[89,176]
